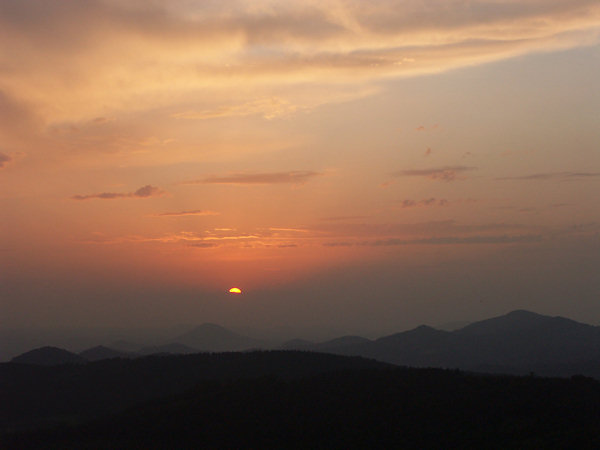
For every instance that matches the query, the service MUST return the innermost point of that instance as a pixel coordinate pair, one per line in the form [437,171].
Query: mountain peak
[523,314]
[48,356]
[213,337]
[102,352]
[519,321]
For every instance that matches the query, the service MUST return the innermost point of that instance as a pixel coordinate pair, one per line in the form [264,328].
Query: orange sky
[343,150]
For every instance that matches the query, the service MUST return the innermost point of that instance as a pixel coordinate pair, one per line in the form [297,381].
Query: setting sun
[235,290]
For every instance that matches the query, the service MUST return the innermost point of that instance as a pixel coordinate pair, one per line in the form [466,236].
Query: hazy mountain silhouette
[101,352]
[214,338]
[48,356]
[124,346]
[516,342]
[452,326]
[339,343]
[297,344]
[174,348]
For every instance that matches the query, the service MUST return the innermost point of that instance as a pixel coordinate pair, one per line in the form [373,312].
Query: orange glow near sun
[235,290]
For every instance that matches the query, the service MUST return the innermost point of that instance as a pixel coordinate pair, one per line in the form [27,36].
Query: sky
[353,167]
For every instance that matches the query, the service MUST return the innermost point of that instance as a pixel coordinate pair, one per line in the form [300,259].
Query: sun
[235,290]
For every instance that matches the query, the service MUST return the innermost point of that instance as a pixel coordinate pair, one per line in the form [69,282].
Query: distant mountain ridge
[512,342]
[215,338]
[174,348]
[207,337]
[517,342]
[49,356]
[101,352]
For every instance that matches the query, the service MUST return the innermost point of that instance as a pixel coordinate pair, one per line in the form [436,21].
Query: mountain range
[519,342]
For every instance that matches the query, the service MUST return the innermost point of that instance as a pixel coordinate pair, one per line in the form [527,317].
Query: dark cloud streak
[143,192]
[558,176]
[4,160]
[444,240]
[446,173]
[425,202]
[292,177]
[196,212]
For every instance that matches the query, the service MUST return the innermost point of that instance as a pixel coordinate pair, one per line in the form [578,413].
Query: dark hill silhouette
[351,408]
[48,356]
[34,396]
[331,346]
[101,352]
[214,338]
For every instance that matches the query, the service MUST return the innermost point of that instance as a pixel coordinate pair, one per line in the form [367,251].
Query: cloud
[346,235]
[447,173]
[4,160]
[268,108]
[343,218]
[555,176]
[425,202]
[110,53]
[146,191]
[143,192]
[203,244]
[17,119]
[342,231]
[445,240]
[338,244]
[453,240]
[196,212]
[293,177]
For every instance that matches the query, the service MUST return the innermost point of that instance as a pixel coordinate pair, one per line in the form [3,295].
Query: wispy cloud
[343,218]
[425,202]
[269,108]
[454,240]
[203,244]
[447,173]
[143,192]
[342,230]
[555,176]
[196,212]
[17,119]
[102,44]
[4,160]
[444,240]
[338,244]
[293,177]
